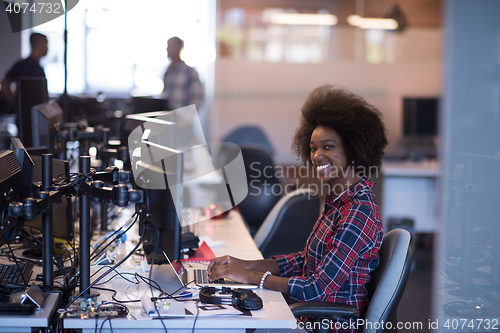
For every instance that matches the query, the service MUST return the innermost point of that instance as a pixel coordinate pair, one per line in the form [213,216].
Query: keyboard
[201,277]
[17,308]
[11,276]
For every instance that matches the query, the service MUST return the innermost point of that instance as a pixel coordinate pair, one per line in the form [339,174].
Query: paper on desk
[206,310]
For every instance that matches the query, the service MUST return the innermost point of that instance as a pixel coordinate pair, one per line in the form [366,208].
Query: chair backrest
[250,136]
[264,189]
[389,280]
[288,225]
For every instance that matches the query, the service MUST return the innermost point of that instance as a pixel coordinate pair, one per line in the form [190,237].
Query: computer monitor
[47,121]
[159,210]
[26,180]
[10,178]
[162,185]
[420,116]
[63,226]
[39,151]
[84,108]
[26,164]
[142,104]
[156,121]
[31,91]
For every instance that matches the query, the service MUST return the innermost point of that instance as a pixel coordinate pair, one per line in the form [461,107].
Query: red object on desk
[203,254]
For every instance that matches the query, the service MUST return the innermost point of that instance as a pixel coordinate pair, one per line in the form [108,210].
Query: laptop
[174,278]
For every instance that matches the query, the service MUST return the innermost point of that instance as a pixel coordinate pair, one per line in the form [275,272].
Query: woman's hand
[228,267]
[216,261]
[248,272]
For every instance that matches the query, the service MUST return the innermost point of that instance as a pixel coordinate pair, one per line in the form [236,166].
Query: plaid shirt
[340,253]
[182,86]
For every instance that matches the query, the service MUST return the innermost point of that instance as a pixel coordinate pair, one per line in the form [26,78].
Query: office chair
[250,136]
[287,227]
[264,188]
[388,280]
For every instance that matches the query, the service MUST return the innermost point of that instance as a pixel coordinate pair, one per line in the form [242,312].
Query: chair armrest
[324,310]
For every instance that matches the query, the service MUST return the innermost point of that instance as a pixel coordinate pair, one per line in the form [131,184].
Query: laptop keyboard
[201,277]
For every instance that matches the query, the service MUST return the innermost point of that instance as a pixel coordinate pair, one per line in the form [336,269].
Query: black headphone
[239,298]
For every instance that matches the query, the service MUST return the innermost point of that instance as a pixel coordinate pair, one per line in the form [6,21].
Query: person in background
[29,67]
[343,137]
[182,86]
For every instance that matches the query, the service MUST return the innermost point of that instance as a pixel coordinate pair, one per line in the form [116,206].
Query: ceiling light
[303,19]
[372,23]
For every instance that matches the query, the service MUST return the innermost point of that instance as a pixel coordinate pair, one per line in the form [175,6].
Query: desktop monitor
[420,127]
[156,121]
[31,91]
[84,108]
[26,164]
[47,121]
[420,116]
[62,212]
[159,210]
[161,182]
[10,178]
[142,104]
[26,180]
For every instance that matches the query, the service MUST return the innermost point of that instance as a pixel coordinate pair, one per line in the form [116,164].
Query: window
[119,46]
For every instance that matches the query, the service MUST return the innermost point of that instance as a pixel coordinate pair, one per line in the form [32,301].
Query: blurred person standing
[182,86]
[29,67]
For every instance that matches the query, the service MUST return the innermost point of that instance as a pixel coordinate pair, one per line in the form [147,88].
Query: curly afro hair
[358,123]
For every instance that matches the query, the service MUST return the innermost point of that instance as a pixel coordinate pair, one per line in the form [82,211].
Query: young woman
[343,137]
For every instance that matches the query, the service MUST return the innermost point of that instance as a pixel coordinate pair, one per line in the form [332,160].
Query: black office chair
[261,179]
[250,135]
[288,225]
[388,280]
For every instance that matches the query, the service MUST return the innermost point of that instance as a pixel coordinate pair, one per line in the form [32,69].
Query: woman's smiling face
[328,155]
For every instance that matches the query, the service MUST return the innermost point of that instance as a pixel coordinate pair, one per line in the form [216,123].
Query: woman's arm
[262,265]
[356,236]
[248,271]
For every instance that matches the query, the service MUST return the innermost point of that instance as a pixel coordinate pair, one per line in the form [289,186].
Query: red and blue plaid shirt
[340,253]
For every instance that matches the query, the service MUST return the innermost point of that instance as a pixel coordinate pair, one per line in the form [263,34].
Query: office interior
[444,189]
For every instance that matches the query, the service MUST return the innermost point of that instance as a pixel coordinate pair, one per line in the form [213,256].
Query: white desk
[410,190]
[239,243]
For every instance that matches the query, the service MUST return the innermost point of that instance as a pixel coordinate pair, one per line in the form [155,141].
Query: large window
[119,46]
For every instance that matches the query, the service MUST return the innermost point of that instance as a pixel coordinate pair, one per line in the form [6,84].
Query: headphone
[239,298]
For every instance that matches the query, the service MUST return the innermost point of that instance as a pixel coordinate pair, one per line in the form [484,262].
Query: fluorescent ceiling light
[372,23]
[303,19]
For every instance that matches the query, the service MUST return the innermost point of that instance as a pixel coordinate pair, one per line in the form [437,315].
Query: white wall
[271,95]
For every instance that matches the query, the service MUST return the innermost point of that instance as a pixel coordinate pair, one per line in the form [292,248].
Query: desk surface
[238,242]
